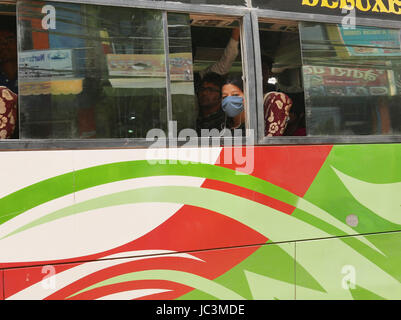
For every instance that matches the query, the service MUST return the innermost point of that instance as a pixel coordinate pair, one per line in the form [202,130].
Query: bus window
[90,71]
[352,79]
[283,104]
[217,66]
[8,73]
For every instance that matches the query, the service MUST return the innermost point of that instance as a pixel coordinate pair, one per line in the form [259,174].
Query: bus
[108,192]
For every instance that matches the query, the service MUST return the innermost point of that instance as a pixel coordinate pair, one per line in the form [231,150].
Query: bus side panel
[123,203]
[266,272]
[135,199]
[39,183]
[345,273]
[38,281]
[358,186]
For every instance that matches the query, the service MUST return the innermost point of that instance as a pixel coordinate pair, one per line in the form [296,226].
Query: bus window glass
[181,71]
[90,71]
[283,96]
[351,79]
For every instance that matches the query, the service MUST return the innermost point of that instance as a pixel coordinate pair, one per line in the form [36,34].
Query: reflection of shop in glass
[53,87]
[181,66]
[397,80]
[140,71]
[370,41]
[364,94]
[136,65]
[151,65]
[48,72]
[335,81]
[45,63]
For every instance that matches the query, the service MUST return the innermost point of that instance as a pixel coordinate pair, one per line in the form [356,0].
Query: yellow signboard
[376,6]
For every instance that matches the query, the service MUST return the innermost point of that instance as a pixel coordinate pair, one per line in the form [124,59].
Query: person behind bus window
[233,103]
[207,82]
[277,106]
[211,116]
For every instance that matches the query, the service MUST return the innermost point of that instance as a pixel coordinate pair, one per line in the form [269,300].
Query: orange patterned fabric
[277,106]
[8,112]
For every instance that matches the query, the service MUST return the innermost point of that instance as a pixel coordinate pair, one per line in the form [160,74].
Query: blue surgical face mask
[233,105]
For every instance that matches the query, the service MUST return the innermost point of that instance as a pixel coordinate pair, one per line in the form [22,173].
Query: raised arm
[223,65]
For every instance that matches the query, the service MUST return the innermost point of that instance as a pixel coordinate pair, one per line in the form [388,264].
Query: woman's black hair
[235,80]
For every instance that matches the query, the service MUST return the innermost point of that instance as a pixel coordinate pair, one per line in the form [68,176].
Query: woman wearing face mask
[232,94]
